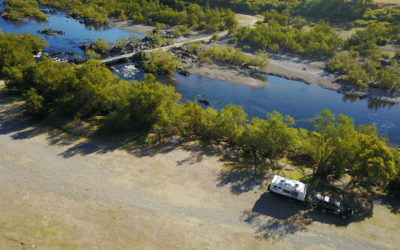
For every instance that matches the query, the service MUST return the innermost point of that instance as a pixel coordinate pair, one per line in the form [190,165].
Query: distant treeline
[362,63]
[18,9]
[141,11]
[319,41]
[335,147]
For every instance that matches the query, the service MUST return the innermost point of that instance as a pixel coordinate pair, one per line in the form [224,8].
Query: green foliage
[335,146]
[298,22]
[357,70]
[133,38]
[161,62]
[17,55]
[150,11]
[377,33]
[373,163]
[332,10]
[198,122]
[34,104]
[159,26]
[272,138]
[146,103]
[394,185]
[338,147]
[397,56]
[73,90]
[233,56]
[157,40]
[91,54]
[181,30]
[121,42]
[274,15]
[18,9]
[100,45]
[321,40]
[194,47]
[215,37]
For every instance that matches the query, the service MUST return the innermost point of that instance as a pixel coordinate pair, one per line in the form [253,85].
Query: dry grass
[58,193]
[397,2]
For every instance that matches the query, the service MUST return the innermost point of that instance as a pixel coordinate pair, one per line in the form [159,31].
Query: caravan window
[274,186]
[286,191]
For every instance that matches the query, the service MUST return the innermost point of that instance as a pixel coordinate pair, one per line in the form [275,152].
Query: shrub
[161,62]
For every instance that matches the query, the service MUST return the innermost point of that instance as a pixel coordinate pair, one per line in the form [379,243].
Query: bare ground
[226,74]
[129,26]
[62,192]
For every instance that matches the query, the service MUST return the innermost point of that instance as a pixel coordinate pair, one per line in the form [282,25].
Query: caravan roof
[288,183]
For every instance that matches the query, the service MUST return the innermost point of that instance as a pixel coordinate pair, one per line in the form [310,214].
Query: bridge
[119,58]
[244,20]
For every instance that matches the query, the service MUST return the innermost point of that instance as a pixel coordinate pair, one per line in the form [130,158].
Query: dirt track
[58,192]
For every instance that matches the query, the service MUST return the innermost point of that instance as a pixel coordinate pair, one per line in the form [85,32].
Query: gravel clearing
[64,193]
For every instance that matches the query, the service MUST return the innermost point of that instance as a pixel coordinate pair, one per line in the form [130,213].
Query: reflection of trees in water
[376,104]
[350,98]
[373,104]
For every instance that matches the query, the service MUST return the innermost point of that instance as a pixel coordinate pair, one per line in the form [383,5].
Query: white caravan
[287,187]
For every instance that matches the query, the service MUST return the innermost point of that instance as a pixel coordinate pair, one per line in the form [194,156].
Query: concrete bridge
[244,20]
[118,58]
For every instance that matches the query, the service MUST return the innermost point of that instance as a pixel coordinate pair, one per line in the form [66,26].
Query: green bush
[100,45]
[161,62]
[150,11]
[91,54]
[321,40]
[233,56]
[18,9]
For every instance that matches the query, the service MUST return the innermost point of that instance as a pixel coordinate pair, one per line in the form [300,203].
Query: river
[294,98]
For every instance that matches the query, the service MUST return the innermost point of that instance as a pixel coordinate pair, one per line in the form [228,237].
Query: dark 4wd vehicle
[327,204]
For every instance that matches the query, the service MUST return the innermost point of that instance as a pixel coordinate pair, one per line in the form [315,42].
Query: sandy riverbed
[129,26]
[225,74]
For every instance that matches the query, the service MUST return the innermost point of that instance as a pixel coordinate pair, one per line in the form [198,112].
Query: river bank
[226,74]
[313,73]
[288,67]
[78,193]
[132,27]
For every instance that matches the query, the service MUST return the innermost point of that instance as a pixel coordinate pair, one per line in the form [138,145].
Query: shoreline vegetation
[365,71]
[91,90]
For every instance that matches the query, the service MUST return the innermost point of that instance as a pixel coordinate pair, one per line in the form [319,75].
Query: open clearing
[397,2]
[59,192]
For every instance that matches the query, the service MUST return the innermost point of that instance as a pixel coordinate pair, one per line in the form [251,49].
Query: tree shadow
[65,131]
[390,202]
[361,202]
[274,216]
[199,151]
[241,176]
[11,120]
[134,143]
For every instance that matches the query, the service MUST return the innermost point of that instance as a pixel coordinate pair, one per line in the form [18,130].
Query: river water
[294,98]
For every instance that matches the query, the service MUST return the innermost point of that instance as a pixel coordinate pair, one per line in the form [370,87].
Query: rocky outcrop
[51,32]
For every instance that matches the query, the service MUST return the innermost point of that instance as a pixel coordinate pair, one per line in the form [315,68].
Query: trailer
[297,190]
[289,188]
